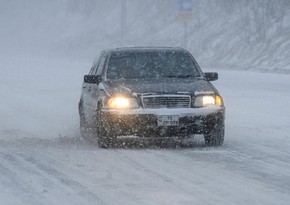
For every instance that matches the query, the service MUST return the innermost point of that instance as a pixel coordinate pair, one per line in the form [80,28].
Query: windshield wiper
[179,76]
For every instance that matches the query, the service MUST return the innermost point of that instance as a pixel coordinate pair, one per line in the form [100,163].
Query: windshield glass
[151,65]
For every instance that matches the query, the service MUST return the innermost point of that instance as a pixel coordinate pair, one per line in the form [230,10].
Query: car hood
[159,86]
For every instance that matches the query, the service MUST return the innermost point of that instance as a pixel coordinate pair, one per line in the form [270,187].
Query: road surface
[252,167]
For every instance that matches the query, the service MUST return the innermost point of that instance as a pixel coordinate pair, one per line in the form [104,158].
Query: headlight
[122,103]
[208,100]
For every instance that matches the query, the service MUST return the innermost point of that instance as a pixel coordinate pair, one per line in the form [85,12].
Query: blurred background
[246,34]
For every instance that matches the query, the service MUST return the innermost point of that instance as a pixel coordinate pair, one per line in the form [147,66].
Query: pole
[123,21]
[185,34]
[185,14]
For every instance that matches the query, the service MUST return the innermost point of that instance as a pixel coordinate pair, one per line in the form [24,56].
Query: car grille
[166,101]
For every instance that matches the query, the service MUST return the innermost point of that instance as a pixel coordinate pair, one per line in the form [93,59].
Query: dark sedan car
[150,93]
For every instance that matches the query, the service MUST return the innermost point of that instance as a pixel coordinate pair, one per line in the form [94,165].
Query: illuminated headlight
[122,103]
[208,100]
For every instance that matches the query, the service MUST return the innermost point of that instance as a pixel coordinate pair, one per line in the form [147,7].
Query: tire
[87,132]
[215,137]
[106,138]
[84,128]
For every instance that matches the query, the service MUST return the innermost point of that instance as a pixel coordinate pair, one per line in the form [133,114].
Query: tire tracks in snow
[210,180]
[20,188]
[169,177]
[64,179]
[267,165]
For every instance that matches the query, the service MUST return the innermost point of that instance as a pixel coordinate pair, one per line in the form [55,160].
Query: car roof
[143,49]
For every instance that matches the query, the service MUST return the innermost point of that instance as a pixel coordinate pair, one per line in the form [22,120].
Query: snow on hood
[160,86]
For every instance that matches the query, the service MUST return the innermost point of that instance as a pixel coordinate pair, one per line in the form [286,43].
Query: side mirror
[211,76]
[92,79]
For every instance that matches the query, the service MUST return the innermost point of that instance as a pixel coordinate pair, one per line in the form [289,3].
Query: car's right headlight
[208,100]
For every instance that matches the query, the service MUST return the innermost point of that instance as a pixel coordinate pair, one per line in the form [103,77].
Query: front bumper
[143,122]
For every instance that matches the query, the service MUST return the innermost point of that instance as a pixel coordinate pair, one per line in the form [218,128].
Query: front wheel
[215,137]
[84,128]
[106,137]
[87,131]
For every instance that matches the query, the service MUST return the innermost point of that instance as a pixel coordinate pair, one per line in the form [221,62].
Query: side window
[101,65]
[92,70]
[94,67]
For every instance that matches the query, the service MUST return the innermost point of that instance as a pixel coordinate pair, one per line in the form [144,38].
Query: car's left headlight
[122,103]
[208,100]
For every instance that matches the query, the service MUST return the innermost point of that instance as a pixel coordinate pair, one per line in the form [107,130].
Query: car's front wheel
[215,137]
[106,137]
[84,128]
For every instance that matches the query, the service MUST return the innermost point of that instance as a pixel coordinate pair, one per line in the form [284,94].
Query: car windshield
[151,65]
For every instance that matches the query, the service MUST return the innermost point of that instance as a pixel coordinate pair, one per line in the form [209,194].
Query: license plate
[168,120]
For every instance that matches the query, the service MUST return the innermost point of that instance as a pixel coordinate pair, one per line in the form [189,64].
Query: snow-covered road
[44,164]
